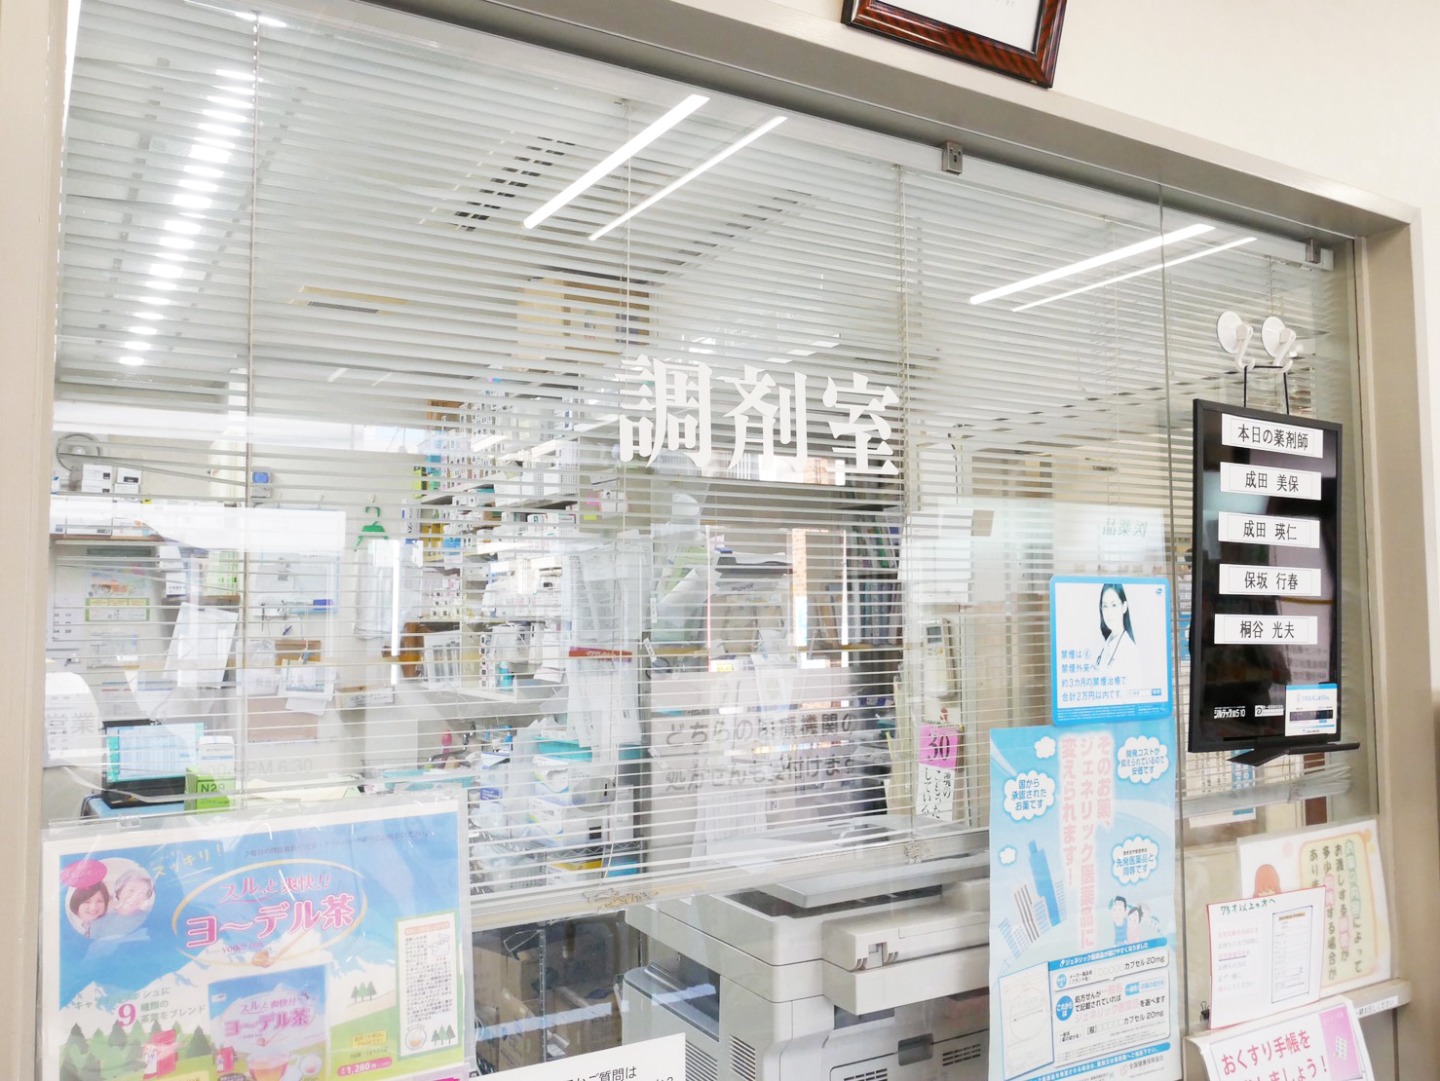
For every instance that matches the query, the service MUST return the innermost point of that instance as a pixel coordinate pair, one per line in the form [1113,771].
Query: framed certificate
[1020,38]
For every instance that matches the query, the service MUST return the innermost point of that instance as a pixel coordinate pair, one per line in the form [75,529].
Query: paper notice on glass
[939,760]
[200,645]
[72,721]
[260,677]
[1322,1042]
[1082,903]
[1265,955]
[430,983]
[661,1059]
[1343,859]
[1025,1016]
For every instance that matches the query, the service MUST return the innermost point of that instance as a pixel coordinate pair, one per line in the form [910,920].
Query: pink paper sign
[939,746]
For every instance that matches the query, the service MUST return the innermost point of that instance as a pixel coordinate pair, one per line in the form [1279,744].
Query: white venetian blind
[661,545]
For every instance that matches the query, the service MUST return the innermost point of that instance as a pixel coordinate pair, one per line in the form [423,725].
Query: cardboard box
[516,962]
[126,480]
[556,822]
[97,479]
[521,1030]
[547,991]
[533,963]
[583,1021]
[363,697]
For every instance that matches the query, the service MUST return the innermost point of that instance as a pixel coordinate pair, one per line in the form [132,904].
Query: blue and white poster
[295,947]
[1110,649]
[1082,903]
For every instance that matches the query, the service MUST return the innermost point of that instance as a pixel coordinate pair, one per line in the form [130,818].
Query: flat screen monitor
[1265,617]
[144,761]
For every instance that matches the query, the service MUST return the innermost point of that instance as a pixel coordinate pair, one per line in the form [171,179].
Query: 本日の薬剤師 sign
[1265,628]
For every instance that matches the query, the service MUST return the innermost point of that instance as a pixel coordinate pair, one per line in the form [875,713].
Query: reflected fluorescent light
[166,270]
[219,129]
[211,150]
[233,103]
[822,343]
[617,157]
[198,185]
[227,117]
[159,287]
[231,73]
[208,171]
[179,243]
[130,361]
[1164,264]
[148,315]
[159,302]
[738,144]
[143,331]
[1093,262]
[179,225]
[135,347]
[599,422]
[336,374]
[263,20]
[193,202]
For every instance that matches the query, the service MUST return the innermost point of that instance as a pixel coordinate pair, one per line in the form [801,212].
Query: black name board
[1265,622]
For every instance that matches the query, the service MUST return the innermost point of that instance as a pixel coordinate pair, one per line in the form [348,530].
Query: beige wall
[29,142]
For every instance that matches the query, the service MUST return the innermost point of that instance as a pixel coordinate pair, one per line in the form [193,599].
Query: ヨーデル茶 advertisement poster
[244,947]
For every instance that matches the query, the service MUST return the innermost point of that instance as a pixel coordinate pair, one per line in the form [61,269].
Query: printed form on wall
[1265,954]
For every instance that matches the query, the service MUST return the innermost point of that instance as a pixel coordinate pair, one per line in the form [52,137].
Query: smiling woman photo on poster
[1123,672]
[1117,654]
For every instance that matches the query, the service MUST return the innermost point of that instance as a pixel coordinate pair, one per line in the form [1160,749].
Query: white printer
[868,976]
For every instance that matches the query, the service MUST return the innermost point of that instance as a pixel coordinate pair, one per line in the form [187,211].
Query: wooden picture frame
[1019,38]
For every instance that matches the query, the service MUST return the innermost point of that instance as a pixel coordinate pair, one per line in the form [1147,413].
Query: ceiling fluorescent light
[623,154]
[738,144]
[822,343]
[1093,262]
[1164,264]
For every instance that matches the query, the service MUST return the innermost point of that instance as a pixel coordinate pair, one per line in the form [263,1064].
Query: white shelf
[1330,780]
[524,691]
[447,495]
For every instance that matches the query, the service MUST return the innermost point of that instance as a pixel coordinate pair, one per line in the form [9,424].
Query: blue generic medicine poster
[259,947]
[1082,903]
[1110,649]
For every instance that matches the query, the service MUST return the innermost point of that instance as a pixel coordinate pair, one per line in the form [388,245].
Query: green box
[207,791]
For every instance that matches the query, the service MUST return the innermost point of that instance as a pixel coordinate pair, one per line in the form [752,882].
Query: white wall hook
[1235,336]
[1279,341]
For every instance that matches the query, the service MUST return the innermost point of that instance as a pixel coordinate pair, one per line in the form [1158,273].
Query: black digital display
[1265,622]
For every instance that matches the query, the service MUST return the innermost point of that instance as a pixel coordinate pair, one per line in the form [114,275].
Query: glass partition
[660,473]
